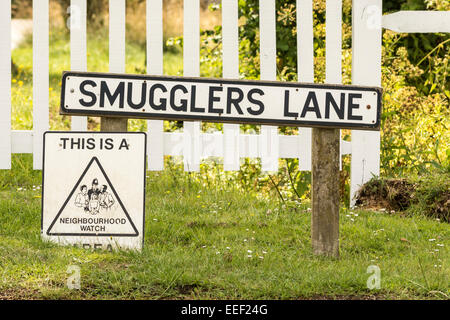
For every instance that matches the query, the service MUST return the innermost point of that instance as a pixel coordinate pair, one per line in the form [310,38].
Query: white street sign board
[93,191]
[221,100]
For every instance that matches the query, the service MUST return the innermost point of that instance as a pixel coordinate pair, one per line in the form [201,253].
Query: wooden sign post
[109,124]
[324,107]
[325,192]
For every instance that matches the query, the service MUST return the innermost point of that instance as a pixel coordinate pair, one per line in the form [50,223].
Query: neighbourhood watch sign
[93,189]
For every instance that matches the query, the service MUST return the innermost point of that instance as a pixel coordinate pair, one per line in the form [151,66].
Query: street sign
[220,100]
[94,189]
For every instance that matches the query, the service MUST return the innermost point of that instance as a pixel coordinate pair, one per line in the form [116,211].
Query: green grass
[197,237]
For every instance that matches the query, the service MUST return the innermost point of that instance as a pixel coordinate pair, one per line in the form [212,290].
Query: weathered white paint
[40,78]
[269,148]
[191,65]
[230,44]
[333,46]
[417,21]
[305,62]
[366,70]
[155,128]
[117,36]
[5,85]
[78,59]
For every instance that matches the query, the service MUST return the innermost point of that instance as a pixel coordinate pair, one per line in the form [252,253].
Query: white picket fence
[231,145]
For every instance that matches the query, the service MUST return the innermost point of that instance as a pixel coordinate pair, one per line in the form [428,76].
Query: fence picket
[5,85]
[333,50]
[191,64]
[117,36]
[417,21]
[78,60]
[366,70]
[269,148]
[155,128]
[40,78]
[305,58]
[230,43]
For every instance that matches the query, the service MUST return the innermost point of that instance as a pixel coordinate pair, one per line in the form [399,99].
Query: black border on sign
[112,187]
[147,115]
[94,159]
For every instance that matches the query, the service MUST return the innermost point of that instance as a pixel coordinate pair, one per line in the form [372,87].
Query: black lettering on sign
[255,102]
[90,143]
[130,96]
[75,143]
[212,99]
[287,113]
[106,144]
[329,100]
[162,102]
[307,108]
[88,93]
[64,140]
[109,144]
[234,101]
[119,93]
[124,144]
[352,106]
[193,100]
[183,102]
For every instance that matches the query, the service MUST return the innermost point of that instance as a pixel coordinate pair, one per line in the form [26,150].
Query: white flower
[249,251]
[249,256]
[431,239]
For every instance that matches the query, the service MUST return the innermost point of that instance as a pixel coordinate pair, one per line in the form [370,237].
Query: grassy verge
[210,240]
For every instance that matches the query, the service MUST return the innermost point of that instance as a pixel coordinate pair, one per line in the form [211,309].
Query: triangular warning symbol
[93,208]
